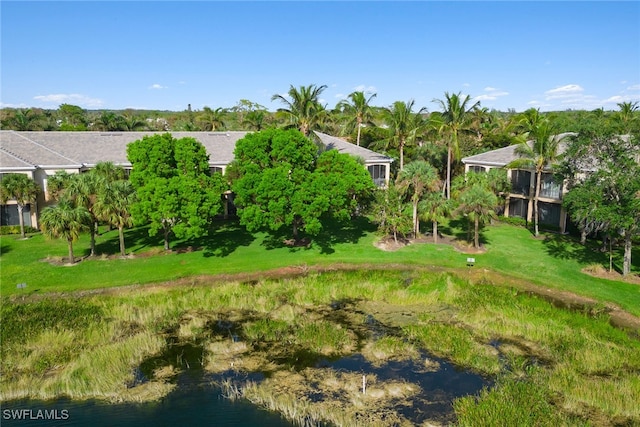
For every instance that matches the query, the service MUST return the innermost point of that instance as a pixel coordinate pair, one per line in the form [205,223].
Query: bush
[15,229]
[513,220]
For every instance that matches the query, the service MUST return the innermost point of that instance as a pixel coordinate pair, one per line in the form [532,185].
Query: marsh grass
[560,366]
[301,398]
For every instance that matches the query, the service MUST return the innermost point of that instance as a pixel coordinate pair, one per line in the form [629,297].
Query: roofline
[79,166]
[467,161]
[17,168]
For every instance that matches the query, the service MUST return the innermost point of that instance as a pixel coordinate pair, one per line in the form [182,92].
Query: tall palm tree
[456,115]
[26,119]
[478,203]
[113,204]
[212,120]
[541,153]
[22,189]
[358,111]
[404,124]
[65,221]
[82,191]
[417,179]
[304,109]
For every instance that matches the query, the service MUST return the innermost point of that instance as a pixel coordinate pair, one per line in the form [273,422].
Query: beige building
[41,154]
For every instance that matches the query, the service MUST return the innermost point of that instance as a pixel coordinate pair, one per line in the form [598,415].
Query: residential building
[41,154]
[523,187]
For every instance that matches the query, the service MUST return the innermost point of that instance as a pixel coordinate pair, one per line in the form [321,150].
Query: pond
[198,401]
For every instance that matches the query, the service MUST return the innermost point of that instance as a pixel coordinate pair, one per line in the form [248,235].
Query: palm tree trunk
[535,203]
[476,237]
[71,257]
[121,235]
[166,238]
[358,138]
[626,260]
[415,220]
[401,154]
[435,231]
[21,220]
[449,173]
[93,238]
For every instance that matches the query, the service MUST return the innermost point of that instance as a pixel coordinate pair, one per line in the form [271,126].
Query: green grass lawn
[554,262]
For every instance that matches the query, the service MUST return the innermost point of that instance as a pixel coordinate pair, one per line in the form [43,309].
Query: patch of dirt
[601,273]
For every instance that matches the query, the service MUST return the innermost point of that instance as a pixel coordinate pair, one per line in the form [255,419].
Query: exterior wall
[513,205]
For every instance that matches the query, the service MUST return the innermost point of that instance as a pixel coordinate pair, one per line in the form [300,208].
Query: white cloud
[634,87]
[564,91]
[73,98]
[491,95]
[466,85]
[340,95]
[365,89]
[157,86]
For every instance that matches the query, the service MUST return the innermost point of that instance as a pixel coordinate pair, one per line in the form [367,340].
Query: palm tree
[212,119]
[358,111]
[403,124]
[82,191]
[456,115]
[113,205]
[304,108]
[626,114]
[418,177]
[131,122]
[478,203]
[255,119]
[435,208]
[26,119]
[57,184]
[65,221]
[541,153]
[22,189]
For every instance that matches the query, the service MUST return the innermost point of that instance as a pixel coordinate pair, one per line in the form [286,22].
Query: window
[215,169]
[549,213]
[477,169]
[520,182]
[549,187]
[378,174]
[518,208]
[9,215]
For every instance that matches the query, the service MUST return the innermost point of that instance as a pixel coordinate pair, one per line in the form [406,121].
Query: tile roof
[504,156]
[331,142]
[75,149]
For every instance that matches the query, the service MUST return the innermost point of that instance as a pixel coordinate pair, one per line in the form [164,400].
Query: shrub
[15,229]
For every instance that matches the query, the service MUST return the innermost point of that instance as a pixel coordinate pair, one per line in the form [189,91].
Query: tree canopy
[176,193]
[282,181]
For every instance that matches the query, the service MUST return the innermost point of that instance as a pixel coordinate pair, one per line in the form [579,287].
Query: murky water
[196,401]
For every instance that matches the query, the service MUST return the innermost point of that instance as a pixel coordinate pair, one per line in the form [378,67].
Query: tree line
[289,187]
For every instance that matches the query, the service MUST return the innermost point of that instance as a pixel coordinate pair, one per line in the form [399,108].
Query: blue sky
[164,55]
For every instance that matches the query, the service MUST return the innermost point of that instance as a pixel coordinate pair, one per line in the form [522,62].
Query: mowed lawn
[554,262]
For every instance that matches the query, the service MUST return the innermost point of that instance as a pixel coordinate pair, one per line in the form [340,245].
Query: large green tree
[303,110]
[455,118]
[283,182]
[176,194]
[602,170]
[390,214]
[22,189]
